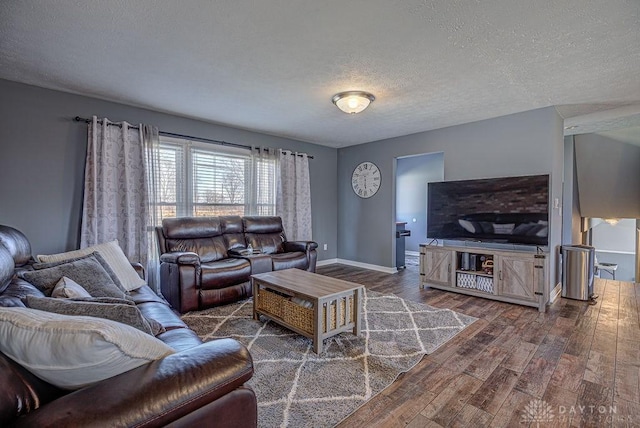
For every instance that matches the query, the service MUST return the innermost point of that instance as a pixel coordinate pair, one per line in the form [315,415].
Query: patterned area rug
[297,388]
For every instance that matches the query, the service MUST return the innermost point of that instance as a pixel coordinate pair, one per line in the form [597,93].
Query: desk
[607,267]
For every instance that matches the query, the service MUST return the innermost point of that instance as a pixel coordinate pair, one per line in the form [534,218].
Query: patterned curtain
[151,144]
[293,198]
[116,188]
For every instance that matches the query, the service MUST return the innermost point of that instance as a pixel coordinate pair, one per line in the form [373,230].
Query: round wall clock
[366,179]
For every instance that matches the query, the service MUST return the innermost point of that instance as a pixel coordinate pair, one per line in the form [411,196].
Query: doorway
[412,175]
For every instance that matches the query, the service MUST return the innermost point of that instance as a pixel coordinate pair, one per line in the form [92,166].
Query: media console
[510,276]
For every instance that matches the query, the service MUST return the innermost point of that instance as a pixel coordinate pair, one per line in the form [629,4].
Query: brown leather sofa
[199,385]
[204,260]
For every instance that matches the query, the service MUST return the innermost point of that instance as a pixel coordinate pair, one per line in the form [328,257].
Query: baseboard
[327,262]
[357,264]
[412,253]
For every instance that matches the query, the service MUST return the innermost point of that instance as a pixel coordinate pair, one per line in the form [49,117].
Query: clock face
[366,179]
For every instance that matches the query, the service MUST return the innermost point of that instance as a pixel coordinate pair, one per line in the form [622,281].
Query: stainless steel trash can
[578,271]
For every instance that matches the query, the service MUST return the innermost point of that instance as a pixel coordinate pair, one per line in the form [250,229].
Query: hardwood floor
[582,360]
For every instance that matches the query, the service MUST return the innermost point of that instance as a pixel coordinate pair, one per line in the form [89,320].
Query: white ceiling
[273,66]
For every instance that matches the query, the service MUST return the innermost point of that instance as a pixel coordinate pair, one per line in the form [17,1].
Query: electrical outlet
[325,247]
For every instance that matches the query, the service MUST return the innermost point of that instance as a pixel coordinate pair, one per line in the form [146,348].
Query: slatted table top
[306,283]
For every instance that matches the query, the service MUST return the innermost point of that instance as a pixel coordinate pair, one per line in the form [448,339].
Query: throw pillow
[470,227]
[124,313]
[72,352]
[97,256]
[503,229]
[113,255]
[67,288]
[87,272]
[156,327]
[523,228]
[103,300]
[543,232]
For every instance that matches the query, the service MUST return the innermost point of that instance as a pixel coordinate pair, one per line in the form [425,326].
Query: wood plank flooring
[582,360]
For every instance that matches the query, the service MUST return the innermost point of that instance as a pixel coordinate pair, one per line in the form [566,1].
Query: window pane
[168,180]
[265,187]
[218,179]
[207,180]
[215,210]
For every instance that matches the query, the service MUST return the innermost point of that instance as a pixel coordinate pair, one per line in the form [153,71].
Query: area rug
[297,388]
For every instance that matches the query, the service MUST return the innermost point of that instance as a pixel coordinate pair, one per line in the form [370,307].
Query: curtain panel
[293,199]
[117,187]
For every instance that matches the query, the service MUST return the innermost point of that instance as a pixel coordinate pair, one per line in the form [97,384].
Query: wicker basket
[299,316]
[485,284]
[343,305]
[466,280]
[270,302]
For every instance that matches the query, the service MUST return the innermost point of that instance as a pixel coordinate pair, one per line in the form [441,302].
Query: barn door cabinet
[509,276]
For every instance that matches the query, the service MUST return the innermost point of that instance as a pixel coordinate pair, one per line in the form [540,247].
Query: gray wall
[412,175]
[608,179]
[571,220]
[519,144]
[43,153]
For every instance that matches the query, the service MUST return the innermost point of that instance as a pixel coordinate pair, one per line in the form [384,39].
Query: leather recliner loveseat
[199,385]
[204,261]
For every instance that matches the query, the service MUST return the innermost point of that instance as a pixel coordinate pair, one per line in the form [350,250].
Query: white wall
[616,244]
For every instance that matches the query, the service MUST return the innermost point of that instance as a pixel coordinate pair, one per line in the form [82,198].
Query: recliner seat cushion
[223,273]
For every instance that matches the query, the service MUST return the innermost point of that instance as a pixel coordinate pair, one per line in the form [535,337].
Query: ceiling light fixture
[612,221]
[353,101]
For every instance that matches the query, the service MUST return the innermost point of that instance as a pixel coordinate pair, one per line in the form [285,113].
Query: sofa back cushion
[201,235]
[6,268]
[17,244]
[233,231]
[264,233]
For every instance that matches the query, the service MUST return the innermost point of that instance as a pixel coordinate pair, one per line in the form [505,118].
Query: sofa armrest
[304,246]
[154,394]
[181,258]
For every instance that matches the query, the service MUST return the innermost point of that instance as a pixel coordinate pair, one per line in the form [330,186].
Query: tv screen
[512,210]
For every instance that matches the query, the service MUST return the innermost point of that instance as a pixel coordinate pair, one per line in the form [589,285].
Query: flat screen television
[510,210]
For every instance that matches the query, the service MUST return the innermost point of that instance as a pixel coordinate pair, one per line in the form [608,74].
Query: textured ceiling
[273,66]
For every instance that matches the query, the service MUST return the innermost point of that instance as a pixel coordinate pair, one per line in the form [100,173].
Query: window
[198,179]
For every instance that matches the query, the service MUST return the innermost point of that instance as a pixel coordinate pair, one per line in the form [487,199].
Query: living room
[43,148]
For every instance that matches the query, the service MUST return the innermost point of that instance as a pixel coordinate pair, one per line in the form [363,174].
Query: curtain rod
[187,137]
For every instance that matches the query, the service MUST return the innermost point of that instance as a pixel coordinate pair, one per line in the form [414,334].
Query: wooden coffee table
[335,305]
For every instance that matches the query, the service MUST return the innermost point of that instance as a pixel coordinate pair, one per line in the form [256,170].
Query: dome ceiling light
[353,101]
